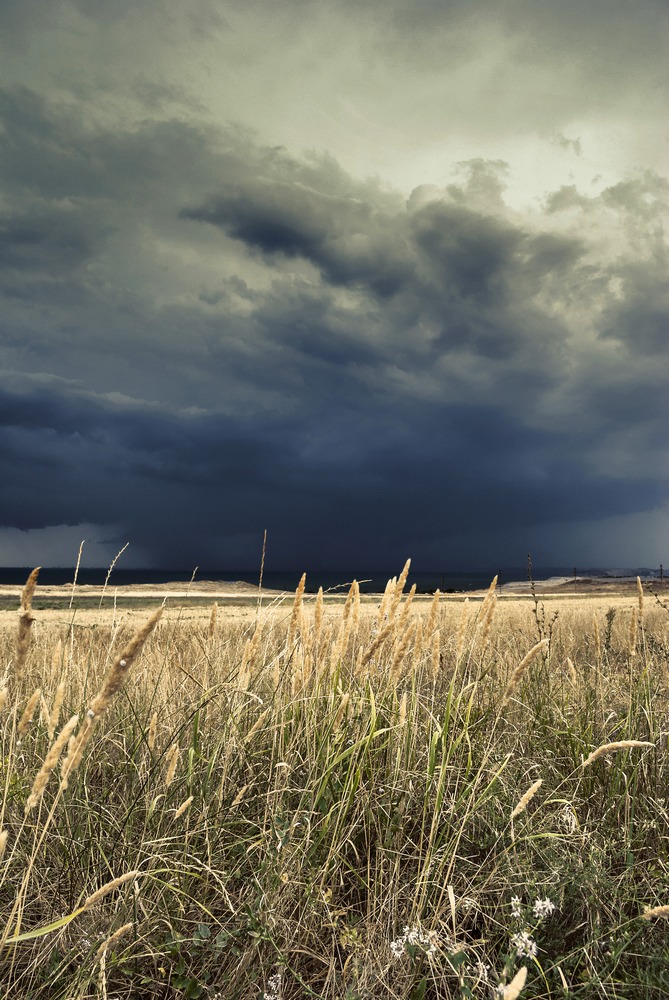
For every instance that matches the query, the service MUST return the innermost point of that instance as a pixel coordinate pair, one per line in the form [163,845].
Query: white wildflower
[273,988]
[543,908]
[415,938]
[524,945]
[515,907]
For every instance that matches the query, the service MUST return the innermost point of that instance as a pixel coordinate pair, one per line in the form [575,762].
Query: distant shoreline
[199,591]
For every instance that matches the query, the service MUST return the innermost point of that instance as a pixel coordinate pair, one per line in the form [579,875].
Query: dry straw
[517,675]
[4,834]
[606,748]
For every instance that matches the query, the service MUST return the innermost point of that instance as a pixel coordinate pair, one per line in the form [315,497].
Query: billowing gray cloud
[205,333]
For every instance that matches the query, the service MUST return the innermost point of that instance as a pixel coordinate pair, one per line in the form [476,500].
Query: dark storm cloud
[203,336]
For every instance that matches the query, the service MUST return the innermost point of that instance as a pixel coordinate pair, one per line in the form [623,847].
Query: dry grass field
[390,797]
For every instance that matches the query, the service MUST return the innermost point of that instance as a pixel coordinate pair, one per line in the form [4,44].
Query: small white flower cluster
[524,944]
[543,908]
[416,938]
[482,971]
[273,988]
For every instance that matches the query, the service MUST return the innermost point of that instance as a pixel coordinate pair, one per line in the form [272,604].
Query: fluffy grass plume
[607,748]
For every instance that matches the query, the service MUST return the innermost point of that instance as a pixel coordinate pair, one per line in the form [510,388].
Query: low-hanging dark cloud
[204,336]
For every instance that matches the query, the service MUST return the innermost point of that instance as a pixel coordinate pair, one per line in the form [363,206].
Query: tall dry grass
[336,801]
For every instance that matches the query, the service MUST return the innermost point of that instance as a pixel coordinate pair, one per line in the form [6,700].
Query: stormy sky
[386,278]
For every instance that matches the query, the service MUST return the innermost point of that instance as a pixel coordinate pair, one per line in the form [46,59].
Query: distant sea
[370,582]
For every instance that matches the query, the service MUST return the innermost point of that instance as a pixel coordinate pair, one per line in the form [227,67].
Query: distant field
[394,796]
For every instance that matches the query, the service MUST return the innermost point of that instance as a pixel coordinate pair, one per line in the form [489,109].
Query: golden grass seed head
[434,614]
[401,649]
[435,654]
[404,614]
[295,616]
[318,617]
[4,694]
[28,713]
[4,834]
[29,589]
[184,806]
[239,796]
[104,890]
[656,911]
[258,724]
[341,710]
[487,619]
[513,989]
[151,734]
[50,761]
[518,673]
[54,715]
[633,632]
[376,643]
[113,938]
[462,630]
[75,750]
[607,748]
[526,798]
[386,598]
[171,764]
[120,668]
[212,621]
[399,589]
[639,589]
[402,713]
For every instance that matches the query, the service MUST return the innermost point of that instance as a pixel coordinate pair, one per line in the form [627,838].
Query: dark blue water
[370,582]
